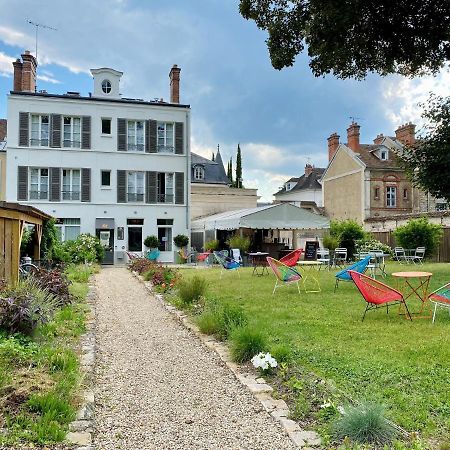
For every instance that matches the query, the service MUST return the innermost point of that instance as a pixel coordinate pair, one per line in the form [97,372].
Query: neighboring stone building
[365,181]
[210,190]
[102,164]
[305,191]
[3,124]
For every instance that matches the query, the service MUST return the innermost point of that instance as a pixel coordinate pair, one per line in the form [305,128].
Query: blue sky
[280,118]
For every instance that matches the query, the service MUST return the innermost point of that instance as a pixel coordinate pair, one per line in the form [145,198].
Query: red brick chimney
[333,144]
[3,124]
[406,134]
[174,76]
[378,139]
[17,75]
[28,72]
[309,169]
[353,136]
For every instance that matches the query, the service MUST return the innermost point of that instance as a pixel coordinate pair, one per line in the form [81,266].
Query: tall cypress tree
[230,171]
[238,183]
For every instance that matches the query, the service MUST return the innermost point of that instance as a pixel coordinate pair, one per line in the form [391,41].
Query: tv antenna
[354,118]
[37,26]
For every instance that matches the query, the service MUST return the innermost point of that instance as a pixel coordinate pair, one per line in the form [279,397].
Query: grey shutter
[121,186]
[152,136]
[22,183]
[147,136]
[85,185]
[179,188]
[179,138]
[24,123]
[55,184]
[86,132]
[150,187]
[122,135]
[55,130]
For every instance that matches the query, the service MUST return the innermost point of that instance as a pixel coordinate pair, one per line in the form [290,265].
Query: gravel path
[158,387]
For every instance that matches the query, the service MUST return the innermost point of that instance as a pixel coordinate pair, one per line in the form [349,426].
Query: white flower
[264,361]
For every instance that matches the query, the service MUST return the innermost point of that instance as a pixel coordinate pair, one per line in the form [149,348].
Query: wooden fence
[442,255]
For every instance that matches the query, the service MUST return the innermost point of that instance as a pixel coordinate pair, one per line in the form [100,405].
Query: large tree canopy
[350,38]
[428,161]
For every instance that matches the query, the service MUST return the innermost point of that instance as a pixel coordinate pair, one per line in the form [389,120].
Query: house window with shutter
[135,135]
[165,187]
[39,130]
[71,184]
[38,184]
[72,132]
[166,137]
[135,186]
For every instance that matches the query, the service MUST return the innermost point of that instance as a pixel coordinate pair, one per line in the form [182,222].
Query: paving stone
[79,438]
[80,425]
[289,425]
[278,413]
[257,387]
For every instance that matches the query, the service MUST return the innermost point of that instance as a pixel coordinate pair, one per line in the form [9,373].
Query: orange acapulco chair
[283,273]
[292,258]
[377,294]
[441,298]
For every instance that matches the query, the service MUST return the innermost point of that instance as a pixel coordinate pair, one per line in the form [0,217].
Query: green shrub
[281,352]
[181,240]
[151,241]
[17,350]
[51,406]
[240,242]
[370,244]
[212,245]
[141,265]
[347,232]
[84,249]
[419,233]
[192,290]
[330,242]
[365,424]
[49,240]
[246,342]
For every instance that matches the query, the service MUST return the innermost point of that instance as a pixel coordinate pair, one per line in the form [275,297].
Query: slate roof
[214,170]
[305,182]
[367,156]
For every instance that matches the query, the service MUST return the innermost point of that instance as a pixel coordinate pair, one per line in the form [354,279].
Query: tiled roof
[214,170]
[367,156]
[305,182]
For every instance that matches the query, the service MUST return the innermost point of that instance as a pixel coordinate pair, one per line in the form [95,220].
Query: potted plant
[212,245]
[181,241]
[151,242]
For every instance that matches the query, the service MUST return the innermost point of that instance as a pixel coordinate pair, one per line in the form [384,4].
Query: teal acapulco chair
[226,263]
[441,298]
[153,254]
[359,266]
[285,274]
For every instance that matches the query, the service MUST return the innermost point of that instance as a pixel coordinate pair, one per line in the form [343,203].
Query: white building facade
[113,167]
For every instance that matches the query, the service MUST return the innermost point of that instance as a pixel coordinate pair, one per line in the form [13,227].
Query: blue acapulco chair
[226,263]
[153,254]
[359,266]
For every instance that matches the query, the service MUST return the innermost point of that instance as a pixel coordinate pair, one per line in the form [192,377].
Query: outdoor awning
[282,216]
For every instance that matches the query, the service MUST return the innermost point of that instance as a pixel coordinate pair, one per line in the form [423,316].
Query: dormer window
[199,173]
[106,86]
[384,155]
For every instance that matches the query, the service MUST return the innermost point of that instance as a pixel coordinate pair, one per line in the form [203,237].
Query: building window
[165,137]
[135,186]
[391,196]
[165,239]
[106,178]
[134,228]
[106,86]
[441,206]
[71,184]
[135,135]
[68,229]
[199,173]
[106,126]
[377,193]
[38,184]
[405,194]
[39,130]
[165,187]
[72,132]
[383,155]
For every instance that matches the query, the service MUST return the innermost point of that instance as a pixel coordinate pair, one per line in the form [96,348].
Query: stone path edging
[278,409]
[81,430]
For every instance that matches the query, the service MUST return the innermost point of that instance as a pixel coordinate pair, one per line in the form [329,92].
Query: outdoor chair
[284,274]
[132,255]
[400,255]
[153,254]
[236,255]
[377,294]
[203,257]
[359,266]
[292,258]
[185,255]
[372,266]
[226,263]
[340,257]
[418,256]
[441,298]
[323,256]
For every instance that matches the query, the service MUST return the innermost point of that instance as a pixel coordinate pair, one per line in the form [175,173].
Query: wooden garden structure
[13,218]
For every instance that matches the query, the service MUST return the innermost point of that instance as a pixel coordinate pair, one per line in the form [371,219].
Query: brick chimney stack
[378,139]
[406,134]
[353,137]
[17,75]
[3,126]
[333,144]
[309,170]
[174,77]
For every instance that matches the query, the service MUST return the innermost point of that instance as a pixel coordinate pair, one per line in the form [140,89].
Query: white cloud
[48,79]
[6,67]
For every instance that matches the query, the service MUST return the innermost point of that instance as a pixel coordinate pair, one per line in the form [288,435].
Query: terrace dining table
[415,285]
[259,263]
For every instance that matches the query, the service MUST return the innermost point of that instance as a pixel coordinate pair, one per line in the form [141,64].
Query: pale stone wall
[212,199]
[391,223]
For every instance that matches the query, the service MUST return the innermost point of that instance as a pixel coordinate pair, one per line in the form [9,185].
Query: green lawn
[386,359]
